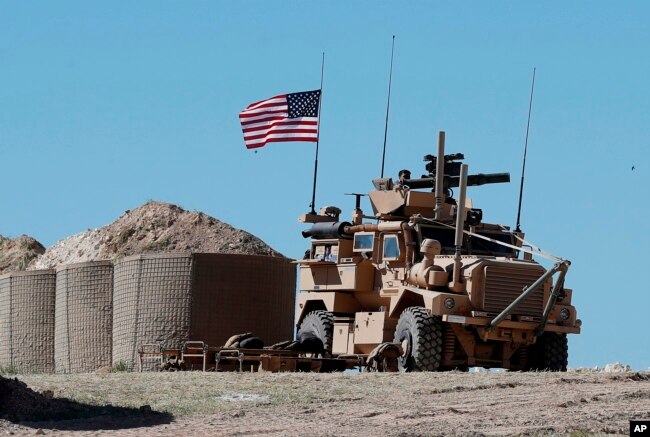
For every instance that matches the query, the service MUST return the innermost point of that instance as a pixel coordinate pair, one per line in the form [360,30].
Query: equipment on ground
[196,355]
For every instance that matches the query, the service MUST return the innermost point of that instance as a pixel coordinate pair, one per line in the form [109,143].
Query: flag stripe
[282,104]
[276,99]
[277,122]
[264,111]
[280,131]
[262,120]
[311,125]
[297,132]
[261,142]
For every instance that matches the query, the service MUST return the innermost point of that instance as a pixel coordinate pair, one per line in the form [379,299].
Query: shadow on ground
[20,404]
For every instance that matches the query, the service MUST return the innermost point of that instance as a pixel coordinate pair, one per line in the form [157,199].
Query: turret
[391,200]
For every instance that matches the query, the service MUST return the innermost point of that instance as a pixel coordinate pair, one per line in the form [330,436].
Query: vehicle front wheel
[317,326]
[549,353]
[420,335]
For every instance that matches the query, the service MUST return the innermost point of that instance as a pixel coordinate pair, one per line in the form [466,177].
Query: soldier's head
[404,174]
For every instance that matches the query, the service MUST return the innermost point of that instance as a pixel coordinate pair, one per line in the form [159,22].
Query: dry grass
[491,403]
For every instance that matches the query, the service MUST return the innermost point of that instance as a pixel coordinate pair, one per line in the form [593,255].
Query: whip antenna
[312,205]
[523,168]
[390,80]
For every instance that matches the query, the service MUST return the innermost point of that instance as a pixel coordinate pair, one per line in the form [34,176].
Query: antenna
[523,168]
[312,205]
[390,81]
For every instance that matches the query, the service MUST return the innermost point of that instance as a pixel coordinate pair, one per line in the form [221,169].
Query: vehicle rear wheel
[420,335]
[549,353]
[317,325]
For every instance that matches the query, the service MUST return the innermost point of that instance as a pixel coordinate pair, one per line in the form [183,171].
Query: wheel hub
[407,347]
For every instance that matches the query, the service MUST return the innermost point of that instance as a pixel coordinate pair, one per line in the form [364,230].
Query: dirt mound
[17,253]
[19,403]
[154,227]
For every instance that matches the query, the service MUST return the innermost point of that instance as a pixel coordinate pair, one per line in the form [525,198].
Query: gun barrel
[481,179]
[454,181]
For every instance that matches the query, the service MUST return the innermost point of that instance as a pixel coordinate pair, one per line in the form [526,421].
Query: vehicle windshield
[471,245]
[445,236]
[485,247]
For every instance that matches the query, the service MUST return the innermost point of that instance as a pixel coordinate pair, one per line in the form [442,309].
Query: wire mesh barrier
[83,317]
[174,298]
[151,303]
[242,293]
[27,302]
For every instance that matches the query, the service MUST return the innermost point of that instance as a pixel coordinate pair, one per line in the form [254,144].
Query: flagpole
[320,102]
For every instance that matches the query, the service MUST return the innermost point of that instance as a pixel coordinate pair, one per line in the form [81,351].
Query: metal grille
[448,342]
[27,320]
[83,317]
[503,284]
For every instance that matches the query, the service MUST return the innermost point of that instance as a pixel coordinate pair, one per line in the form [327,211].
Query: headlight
[449,303]
[565,314]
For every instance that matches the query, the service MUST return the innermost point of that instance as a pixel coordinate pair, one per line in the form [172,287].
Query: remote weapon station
[429,277]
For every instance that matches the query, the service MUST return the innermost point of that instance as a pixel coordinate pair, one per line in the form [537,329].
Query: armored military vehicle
[426,273]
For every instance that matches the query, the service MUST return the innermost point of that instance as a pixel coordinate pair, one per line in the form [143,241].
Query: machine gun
[452,174]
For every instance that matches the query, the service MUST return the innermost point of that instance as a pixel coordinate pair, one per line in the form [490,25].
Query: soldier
[402,176]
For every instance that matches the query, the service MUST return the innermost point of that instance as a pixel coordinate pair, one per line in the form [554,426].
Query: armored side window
[363,242]
[391,248]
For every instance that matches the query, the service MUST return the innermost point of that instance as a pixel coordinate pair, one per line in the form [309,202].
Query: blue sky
[105,105]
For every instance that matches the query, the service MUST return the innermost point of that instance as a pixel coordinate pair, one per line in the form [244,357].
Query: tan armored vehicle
[427,274]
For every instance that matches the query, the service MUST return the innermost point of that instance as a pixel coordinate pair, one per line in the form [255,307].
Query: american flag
[287,117]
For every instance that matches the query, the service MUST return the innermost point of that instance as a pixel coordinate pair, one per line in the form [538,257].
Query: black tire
[251,343]
[420,334]
[319,324]
[550,353]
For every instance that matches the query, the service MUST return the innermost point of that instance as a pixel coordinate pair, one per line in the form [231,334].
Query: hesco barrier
[173,298]
[83,317]
[152,298]
[233,294]
[27,320]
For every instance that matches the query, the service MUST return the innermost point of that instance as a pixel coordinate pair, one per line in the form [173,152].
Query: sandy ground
[576,403]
